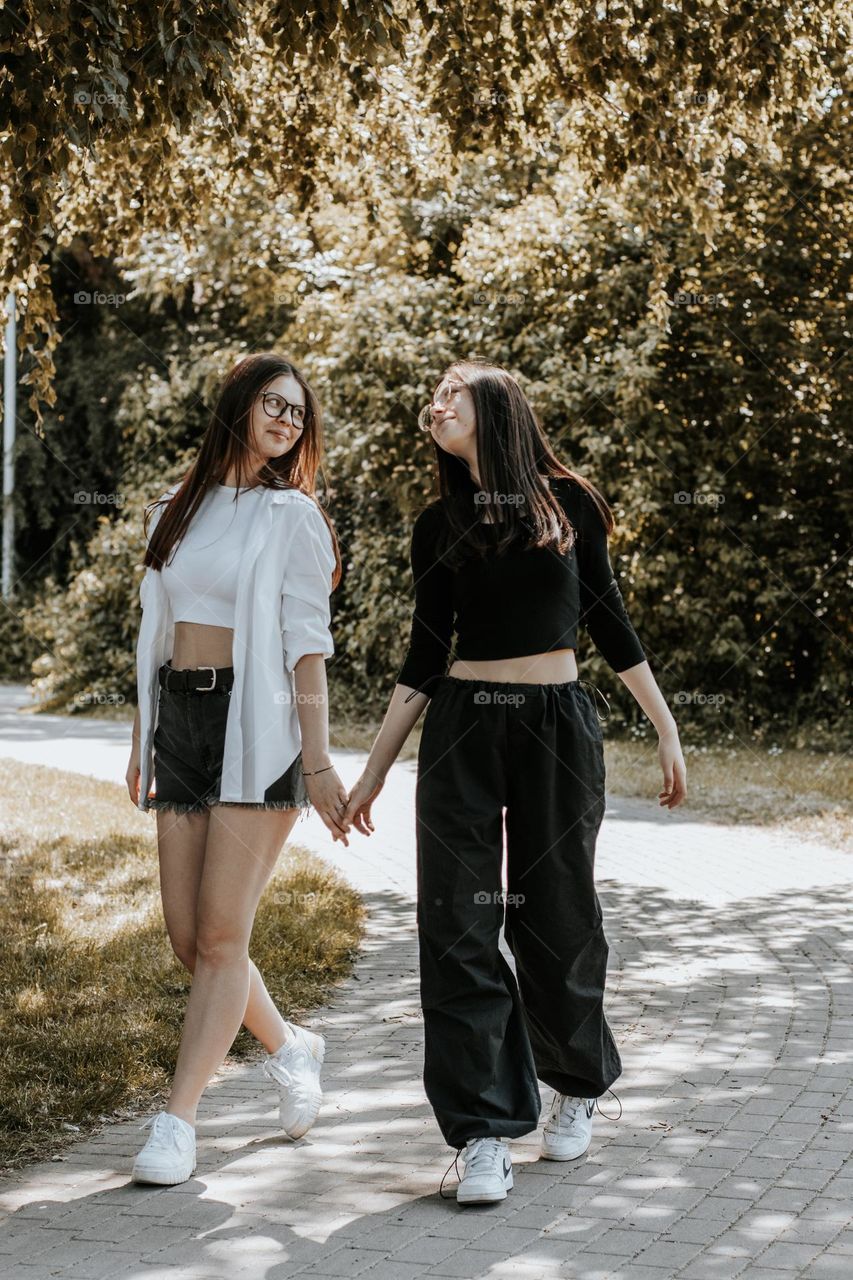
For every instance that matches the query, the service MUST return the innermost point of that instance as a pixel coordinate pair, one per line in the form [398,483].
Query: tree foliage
[739,593]
[122,120]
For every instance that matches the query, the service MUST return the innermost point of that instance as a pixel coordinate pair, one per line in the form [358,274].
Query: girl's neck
[251,470]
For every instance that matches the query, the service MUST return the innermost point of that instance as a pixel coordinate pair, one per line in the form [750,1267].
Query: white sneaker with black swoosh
[488,1171]
[568,1129]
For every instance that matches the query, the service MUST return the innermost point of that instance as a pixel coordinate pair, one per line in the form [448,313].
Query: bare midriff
[556,667]
[199,645]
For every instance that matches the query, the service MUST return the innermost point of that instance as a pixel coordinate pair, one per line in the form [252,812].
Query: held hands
[327,795]
[361,798]
[674,770]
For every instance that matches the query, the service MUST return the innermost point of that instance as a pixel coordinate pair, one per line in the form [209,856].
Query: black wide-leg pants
[535,751]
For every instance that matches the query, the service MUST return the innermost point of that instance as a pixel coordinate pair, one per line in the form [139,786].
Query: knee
[219,946]
[185,951]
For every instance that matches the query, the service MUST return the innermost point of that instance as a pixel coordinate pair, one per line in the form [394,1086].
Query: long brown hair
[512,455]
[226,444]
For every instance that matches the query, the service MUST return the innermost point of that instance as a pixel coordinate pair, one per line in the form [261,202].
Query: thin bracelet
[313,771]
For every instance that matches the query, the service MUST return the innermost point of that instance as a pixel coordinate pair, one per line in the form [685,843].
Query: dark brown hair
[513,456]
[226,444]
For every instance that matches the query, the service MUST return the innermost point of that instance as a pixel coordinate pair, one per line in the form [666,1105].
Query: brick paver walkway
[730,996]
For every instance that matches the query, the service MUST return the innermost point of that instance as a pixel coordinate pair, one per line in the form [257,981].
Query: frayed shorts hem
[201,806]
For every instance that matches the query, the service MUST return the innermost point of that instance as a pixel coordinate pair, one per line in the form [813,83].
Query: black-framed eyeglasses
[275,405]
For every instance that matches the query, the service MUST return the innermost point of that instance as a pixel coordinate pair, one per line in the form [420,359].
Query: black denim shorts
[189,743]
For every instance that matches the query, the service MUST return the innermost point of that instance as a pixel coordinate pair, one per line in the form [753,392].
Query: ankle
[288,1034]
[187,1116]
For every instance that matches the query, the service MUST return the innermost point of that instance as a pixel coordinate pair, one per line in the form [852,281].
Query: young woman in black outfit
[513,557]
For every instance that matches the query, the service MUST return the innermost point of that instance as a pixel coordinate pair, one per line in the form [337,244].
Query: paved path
[730,995]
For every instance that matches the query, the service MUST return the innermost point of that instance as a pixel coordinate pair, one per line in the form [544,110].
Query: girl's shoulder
[293,500]
[566,487]
[433,511]
[429,520]
[575,499]
[154,509]
[296,497]
[167,496]
[301,517]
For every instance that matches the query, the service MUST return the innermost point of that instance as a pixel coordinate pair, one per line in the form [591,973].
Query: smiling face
[274,436]
[452,419]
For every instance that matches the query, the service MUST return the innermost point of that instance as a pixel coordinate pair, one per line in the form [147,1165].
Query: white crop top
[203,572]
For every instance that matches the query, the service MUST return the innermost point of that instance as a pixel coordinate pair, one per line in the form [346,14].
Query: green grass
[92,997]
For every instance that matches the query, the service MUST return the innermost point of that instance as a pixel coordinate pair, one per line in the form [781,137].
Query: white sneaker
[488,1171]
[568,1129]
[168,1156]
[295,1069]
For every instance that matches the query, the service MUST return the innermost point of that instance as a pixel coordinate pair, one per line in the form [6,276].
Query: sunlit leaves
[99,103]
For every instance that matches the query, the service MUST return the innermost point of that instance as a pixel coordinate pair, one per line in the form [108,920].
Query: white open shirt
[282,613]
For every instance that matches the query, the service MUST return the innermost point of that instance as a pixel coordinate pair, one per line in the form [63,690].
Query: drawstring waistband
[600,694]
[595,691]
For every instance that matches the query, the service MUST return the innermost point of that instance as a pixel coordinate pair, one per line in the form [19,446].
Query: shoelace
[557,1115]
[487,1153]
[454,1164]
[275,1070]
[275,1066]
[483,1156]
[163,1130]
[303,1092]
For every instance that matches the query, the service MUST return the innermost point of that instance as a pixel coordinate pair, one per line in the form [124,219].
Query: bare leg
[241,851]
[182,839]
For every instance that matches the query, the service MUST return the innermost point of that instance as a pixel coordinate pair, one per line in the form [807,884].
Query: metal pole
[9,389]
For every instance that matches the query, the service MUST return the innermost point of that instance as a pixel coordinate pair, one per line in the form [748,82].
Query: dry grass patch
[93,997]
[804,794]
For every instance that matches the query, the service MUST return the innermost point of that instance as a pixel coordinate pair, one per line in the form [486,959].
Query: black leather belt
[200,680]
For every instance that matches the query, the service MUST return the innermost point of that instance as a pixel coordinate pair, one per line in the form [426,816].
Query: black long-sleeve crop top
[525,601]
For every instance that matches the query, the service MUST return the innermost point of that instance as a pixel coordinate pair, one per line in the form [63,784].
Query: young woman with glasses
[232,725]
[513,557]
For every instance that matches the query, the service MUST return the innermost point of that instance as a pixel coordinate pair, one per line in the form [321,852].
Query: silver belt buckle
[206,688]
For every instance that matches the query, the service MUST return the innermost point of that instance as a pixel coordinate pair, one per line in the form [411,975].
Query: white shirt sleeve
[305,611]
